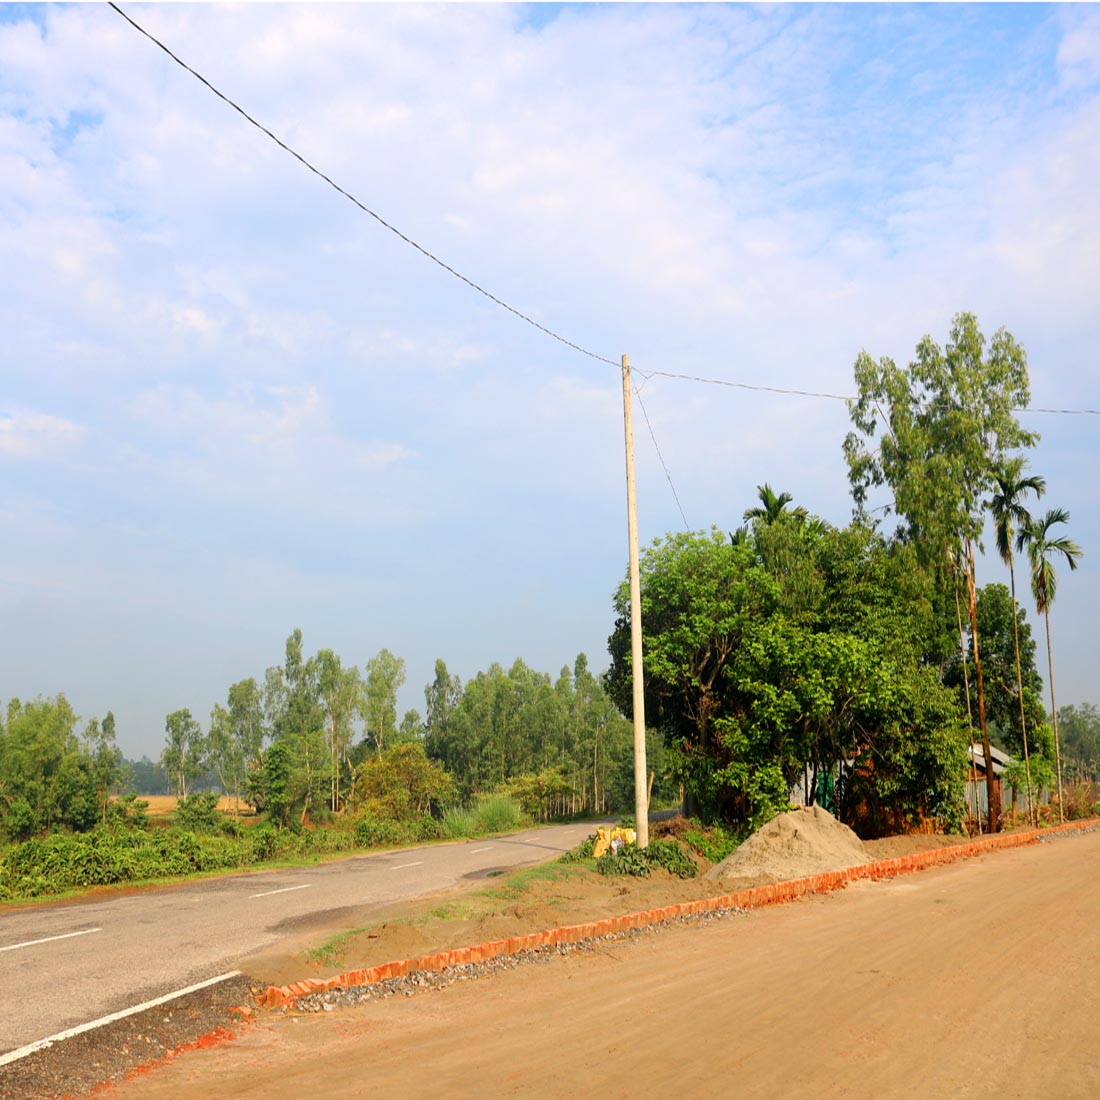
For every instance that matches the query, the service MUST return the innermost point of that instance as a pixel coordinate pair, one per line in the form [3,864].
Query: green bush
[582,852]
[459,823]
[628,860]
[713,843]
[639,862]
[497,813]
[262,843]
[198,813]
[428,828]
[373,832]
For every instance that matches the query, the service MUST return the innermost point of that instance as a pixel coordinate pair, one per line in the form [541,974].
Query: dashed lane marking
[478,851]
[284,890]
[50,939]
[402,866]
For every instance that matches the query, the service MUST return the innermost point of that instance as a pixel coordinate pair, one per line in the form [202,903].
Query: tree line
[295,744]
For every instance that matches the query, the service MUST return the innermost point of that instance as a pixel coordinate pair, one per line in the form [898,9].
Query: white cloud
[33,435]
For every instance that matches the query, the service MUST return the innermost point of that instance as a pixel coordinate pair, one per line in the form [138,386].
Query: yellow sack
[605,839]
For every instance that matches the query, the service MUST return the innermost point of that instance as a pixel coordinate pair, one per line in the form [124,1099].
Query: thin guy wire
[366,209]
[645,415]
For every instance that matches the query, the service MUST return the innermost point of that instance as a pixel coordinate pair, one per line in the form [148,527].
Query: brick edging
[753,898]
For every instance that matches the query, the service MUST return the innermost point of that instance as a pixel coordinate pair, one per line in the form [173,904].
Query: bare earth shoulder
[976,979]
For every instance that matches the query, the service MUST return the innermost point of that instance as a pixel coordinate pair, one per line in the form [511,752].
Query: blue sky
[231,404]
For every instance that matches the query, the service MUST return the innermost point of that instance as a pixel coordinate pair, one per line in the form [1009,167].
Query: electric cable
[362,206]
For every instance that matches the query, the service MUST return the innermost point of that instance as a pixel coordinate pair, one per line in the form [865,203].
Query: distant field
[161,804]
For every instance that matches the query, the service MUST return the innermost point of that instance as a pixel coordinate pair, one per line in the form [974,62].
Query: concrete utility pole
[641,794]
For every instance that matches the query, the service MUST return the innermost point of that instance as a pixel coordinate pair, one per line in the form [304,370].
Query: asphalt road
[62,965]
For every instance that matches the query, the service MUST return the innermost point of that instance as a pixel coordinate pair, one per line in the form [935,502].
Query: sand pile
[806,841]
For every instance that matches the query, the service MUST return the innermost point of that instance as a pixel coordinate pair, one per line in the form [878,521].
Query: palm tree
[772,506]
[1041,546]
[1007,508]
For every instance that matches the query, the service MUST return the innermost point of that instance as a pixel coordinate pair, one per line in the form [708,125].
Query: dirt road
[980,979]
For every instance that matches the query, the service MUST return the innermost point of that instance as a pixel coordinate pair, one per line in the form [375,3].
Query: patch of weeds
[332,950]
[713,843]
[639,862]
[452,910]
[581,853]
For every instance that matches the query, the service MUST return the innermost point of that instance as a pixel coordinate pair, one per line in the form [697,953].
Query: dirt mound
[806,841]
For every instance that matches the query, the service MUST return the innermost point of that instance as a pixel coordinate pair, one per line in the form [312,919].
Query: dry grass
[162,804]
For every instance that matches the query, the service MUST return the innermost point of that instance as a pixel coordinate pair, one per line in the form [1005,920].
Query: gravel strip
[75,1066]
[421,981]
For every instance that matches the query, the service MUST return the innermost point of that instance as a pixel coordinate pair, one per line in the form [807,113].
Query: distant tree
[385,675]
[341,691]
[224,755]
[1041,547]
[146,777]
[1079,727]
[412,727]
[184,754]
[105,759]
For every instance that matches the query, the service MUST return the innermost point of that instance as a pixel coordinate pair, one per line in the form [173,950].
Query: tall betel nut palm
[1041,546]
[943,426]
[1010,515]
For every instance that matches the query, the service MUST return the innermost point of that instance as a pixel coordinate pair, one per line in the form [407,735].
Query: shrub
[262,842]
[373,832]
[639,862]
[628,860]
[198,813]
[713,843]
[582,852]
[496,813]
[459,822]
[428,828]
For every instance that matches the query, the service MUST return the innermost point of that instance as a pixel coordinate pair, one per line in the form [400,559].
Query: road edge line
[754,898]
[69,1033]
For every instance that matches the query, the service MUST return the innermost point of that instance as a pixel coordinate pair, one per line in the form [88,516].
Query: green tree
[1009,514]
[947,423]
[45,775]
[385,675]
[1041,548]
[402,783]
[772,506]
[1079,727]
[341,697]
[105,759]
[751,696]
[224,755]
[184,754]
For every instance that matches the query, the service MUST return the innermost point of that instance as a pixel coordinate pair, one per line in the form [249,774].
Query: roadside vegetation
[854,665]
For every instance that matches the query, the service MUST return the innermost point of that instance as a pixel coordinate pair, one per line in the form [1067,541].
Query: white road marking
[478,851]
[402,866]
[41,1044]
[284,890]
[50,939]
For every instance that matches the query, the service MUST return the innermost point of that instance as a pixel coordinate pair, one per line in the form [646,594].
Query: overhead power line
[362,206]
[820,394]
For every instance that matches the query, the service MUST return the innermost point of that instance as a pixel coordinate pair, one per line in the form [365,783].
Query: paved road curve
[64,964]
